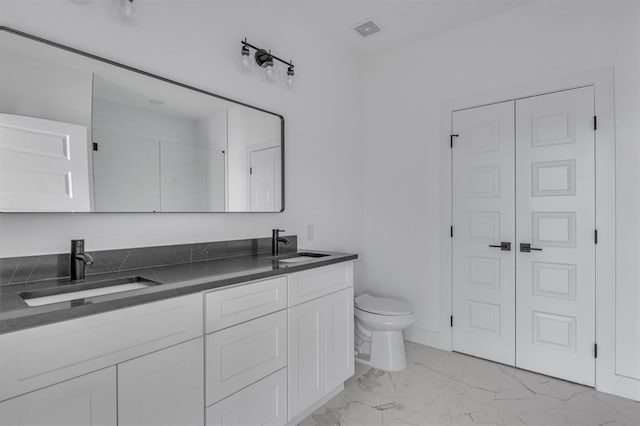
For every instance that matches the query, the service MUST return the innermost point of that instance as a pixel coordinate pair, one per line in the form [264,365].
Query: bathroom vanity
[243,340]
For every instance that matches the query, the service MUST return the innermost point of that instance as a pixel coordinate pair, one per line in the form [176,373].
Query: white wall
[198,42]
[144,123]
[44,90]
[402,93]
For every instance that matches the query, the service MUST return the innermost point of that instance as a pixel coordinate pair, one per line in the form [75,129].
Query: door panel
[44,165]
[307,360]
[555,202]
[81,401]
[163,388]
[340,337]
[484,215]
[264,167]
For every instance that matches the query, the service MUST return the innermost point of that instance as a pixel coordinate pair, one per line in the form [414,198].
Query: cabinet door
[263,403]
[163,388]
[340,346]
[307,355]
[85,400]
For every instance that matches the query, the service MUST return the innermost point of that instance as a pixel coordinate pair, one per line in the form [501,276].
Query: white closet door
[556,213]
[484,216]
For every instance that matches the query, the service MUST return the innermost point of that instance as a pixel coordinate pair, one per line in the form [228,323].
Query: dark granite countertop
[176,280]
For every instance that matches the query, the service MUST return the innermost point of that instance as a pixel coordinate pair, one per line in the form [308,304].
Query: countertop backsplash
[18,270]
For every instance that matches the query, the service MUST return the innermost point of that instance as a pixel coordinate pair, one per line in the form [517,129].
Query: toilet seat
[382,306]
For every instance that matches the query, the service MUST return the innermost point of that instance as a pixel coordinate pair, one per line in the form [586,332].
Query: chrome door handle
[504,246]
[526,248]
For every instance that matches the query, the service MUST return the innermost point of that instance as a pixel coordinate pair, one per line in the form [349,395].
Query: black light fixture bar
[258,49]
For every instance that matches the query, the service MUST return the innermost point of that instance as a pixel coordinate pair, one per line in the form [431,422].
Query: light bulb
[127,10]
[245,62]
[268,69]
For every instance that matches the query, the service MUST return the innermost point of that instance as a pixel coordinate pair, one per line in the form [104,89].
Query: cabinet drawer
[314,283]
[224,308]
[263,403]
[41,356]
[243,354]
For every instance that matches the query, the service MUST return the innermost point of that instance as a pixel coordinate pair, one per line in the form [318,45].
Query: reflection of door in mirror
[43,165]
[263,170]
[249,133]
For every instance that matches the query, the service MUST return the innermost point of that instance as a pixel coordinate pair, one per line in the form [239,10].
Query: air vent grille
[367,28]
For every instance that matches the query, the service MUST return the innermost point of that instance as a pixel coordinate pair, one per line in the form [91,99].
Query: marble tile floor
[444,388]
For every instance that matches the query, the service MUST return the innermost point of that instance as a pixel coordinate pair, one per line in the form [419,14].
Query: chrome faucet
[276,239]
[79,260]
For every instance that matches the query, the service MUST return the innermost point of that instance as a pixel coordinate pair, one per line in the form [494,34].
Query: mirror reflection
[78,134]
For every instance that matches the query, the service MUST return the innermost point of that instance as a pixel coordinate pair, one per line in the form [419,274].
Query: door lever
[504,246]
[526,248]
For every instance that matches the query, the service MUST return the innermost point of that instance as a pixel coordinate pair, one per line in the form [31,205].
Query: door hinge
[250,170]
[595,236]
[595,350]
[595,122]
[451,231]
[451,320]
[95,146]
[451,136]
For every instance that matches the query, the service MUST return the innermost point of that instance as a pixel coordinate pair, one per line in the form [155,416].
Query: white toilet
[378,331]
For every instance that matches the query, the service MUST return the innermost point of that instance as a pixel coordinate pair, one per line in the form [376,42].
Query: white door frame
[602,80]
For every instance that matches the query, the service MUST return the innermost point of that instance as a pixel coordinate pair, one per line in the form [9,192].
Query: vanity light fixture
[265,59]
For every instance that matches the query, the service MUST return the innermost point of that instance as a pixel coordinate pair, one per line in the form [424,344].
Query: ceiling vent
[367,28]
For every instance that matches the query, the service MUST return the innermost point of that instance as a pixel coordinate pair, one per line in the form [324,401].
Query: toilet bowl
[378,331]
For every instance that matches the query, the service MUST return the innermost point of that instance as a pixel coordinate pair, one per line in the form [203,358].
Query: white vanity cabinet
[85,400]
[265,352]
[163,388]
[321,348]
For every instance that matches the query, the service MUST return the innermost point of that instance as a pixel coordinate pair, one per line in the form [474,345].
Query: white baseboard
[426,337]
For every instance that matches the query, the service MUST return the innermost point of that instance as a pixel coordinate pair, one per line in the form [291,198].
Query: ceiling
[402,21]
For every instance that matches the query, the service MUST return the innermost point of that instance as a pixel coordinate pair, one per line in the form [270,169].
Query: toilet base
[387,351]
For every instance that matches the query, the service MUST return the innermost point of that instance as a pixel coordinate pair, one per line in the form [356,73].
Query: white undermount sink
[71,292]
[302,257]
[296,259]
